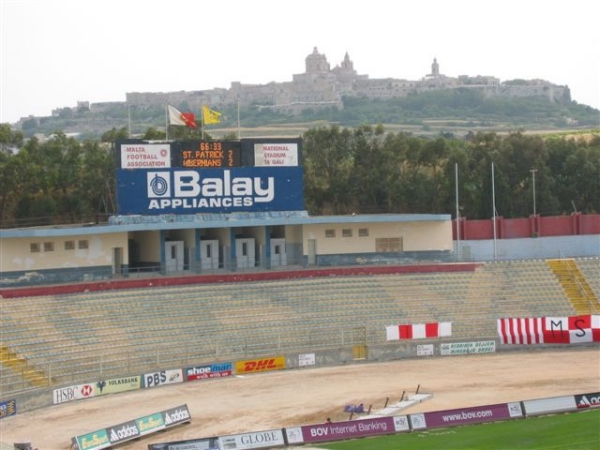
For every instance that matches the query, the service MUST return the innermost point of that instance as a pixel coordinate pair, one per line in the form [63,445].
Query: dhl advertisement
[260,365]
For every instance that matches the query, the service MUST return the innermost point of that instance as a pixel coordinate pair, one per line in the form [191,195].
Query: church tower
[347,65]
[316,63]
[435,68]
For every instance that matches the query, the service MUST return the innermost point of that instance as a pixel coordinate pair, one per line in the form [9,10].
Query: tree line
[347,170]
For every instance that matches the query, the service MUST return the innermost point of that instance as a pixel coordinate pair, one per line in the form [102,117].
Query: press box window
[48,246]
[363,232]
[330,233]
[69,245]
[388,245]
[347,232]
[82,245]
[34,247]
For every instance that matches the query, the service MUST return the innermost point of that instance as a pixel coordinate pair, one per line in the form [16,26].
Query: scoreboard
[206,154]
[267,152]
[221,176]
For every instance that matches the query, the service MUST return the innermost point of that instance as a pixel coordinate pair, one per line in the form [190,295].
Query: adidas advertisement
[175,416]
[123,432]
[588,400]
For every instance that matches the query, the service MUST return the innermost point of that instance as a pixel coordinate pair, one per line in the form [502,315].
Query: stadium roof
[120,224]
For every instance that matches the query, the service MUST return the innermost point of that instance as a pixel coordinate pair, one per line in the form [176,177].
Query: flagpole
[457,212]
[239,129]
[203,123]
[494,207]
[129,120]
[167,123]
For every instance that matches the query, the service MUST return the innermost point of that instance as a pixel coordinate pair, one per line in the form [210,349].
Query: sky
[55,53]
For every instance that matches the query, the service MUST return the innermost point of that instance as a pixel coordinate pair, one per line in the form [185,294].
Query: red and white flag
[549,330]
[568,330]
[527,330]
[176,117]
[430,330]
[596,328]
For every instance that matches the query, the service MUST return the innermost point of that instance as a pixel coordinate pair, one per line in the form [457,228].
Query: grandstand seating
[590,267]
[575,285]
[95,335]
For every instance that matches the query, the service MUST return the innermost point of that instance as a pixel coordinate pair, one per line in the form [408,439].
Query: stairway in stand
[19,364]
[575,286]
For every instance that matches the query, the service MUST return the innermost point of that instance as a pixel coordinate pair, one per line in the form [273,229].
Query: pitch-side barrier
[375,426]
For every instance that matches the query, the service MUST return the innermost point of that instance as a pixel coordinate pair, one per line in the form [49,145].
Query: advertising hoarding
[193,191]
[208,371]
[351,429]
[463,416]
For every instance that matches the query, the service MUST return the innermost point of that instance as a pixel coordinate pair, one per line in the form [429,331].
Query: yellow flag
[209,116]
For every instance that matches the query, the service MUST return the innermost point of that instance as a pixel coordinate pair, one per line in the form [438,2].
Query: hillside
[449,112]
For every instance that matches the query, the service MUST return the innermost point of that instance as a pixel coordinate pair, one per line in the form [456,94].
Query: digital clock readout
[211,154]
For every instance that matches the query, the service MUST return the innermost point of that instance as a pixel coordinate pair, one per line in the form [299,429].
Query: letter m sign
[568,330]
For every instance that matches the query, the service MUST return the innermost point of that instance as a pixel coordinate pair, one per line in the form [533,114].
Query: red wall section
[573,225]
[557,226]
[477,229]
[589,223]
[517,228]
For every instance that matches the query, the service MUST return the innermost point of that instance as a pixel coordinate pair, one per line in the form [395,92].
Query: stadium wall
[349,259]
[66,252]
[109,255]
[342,355]
[529,248]
[534,226]
[414,236]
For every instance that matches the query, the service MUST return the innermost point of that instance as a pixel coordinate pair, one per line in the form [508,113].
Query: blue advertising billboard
[215,190]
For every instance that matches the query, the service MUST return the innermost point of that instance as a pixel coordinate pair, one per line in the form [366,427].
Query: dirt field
[308,396]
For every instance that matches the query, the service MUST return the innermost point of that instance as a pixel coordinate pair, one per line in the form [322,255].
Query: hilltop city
[320,86]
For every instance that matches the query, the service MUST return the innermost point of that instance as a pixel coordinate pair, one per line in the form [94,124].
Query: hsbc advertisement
[70,393]
[185,191]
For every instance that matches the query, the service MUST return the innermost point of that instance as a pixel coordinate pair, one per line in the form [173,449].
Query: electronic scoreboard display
[200,154]
[207,154]
[198,176]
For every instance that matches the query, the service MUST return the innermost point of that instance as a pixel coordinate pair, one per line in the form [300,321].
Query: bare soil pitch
[308,396]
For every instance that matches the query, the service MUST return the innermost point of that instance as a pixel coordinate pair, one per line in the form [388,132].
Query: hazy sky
[56,52]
